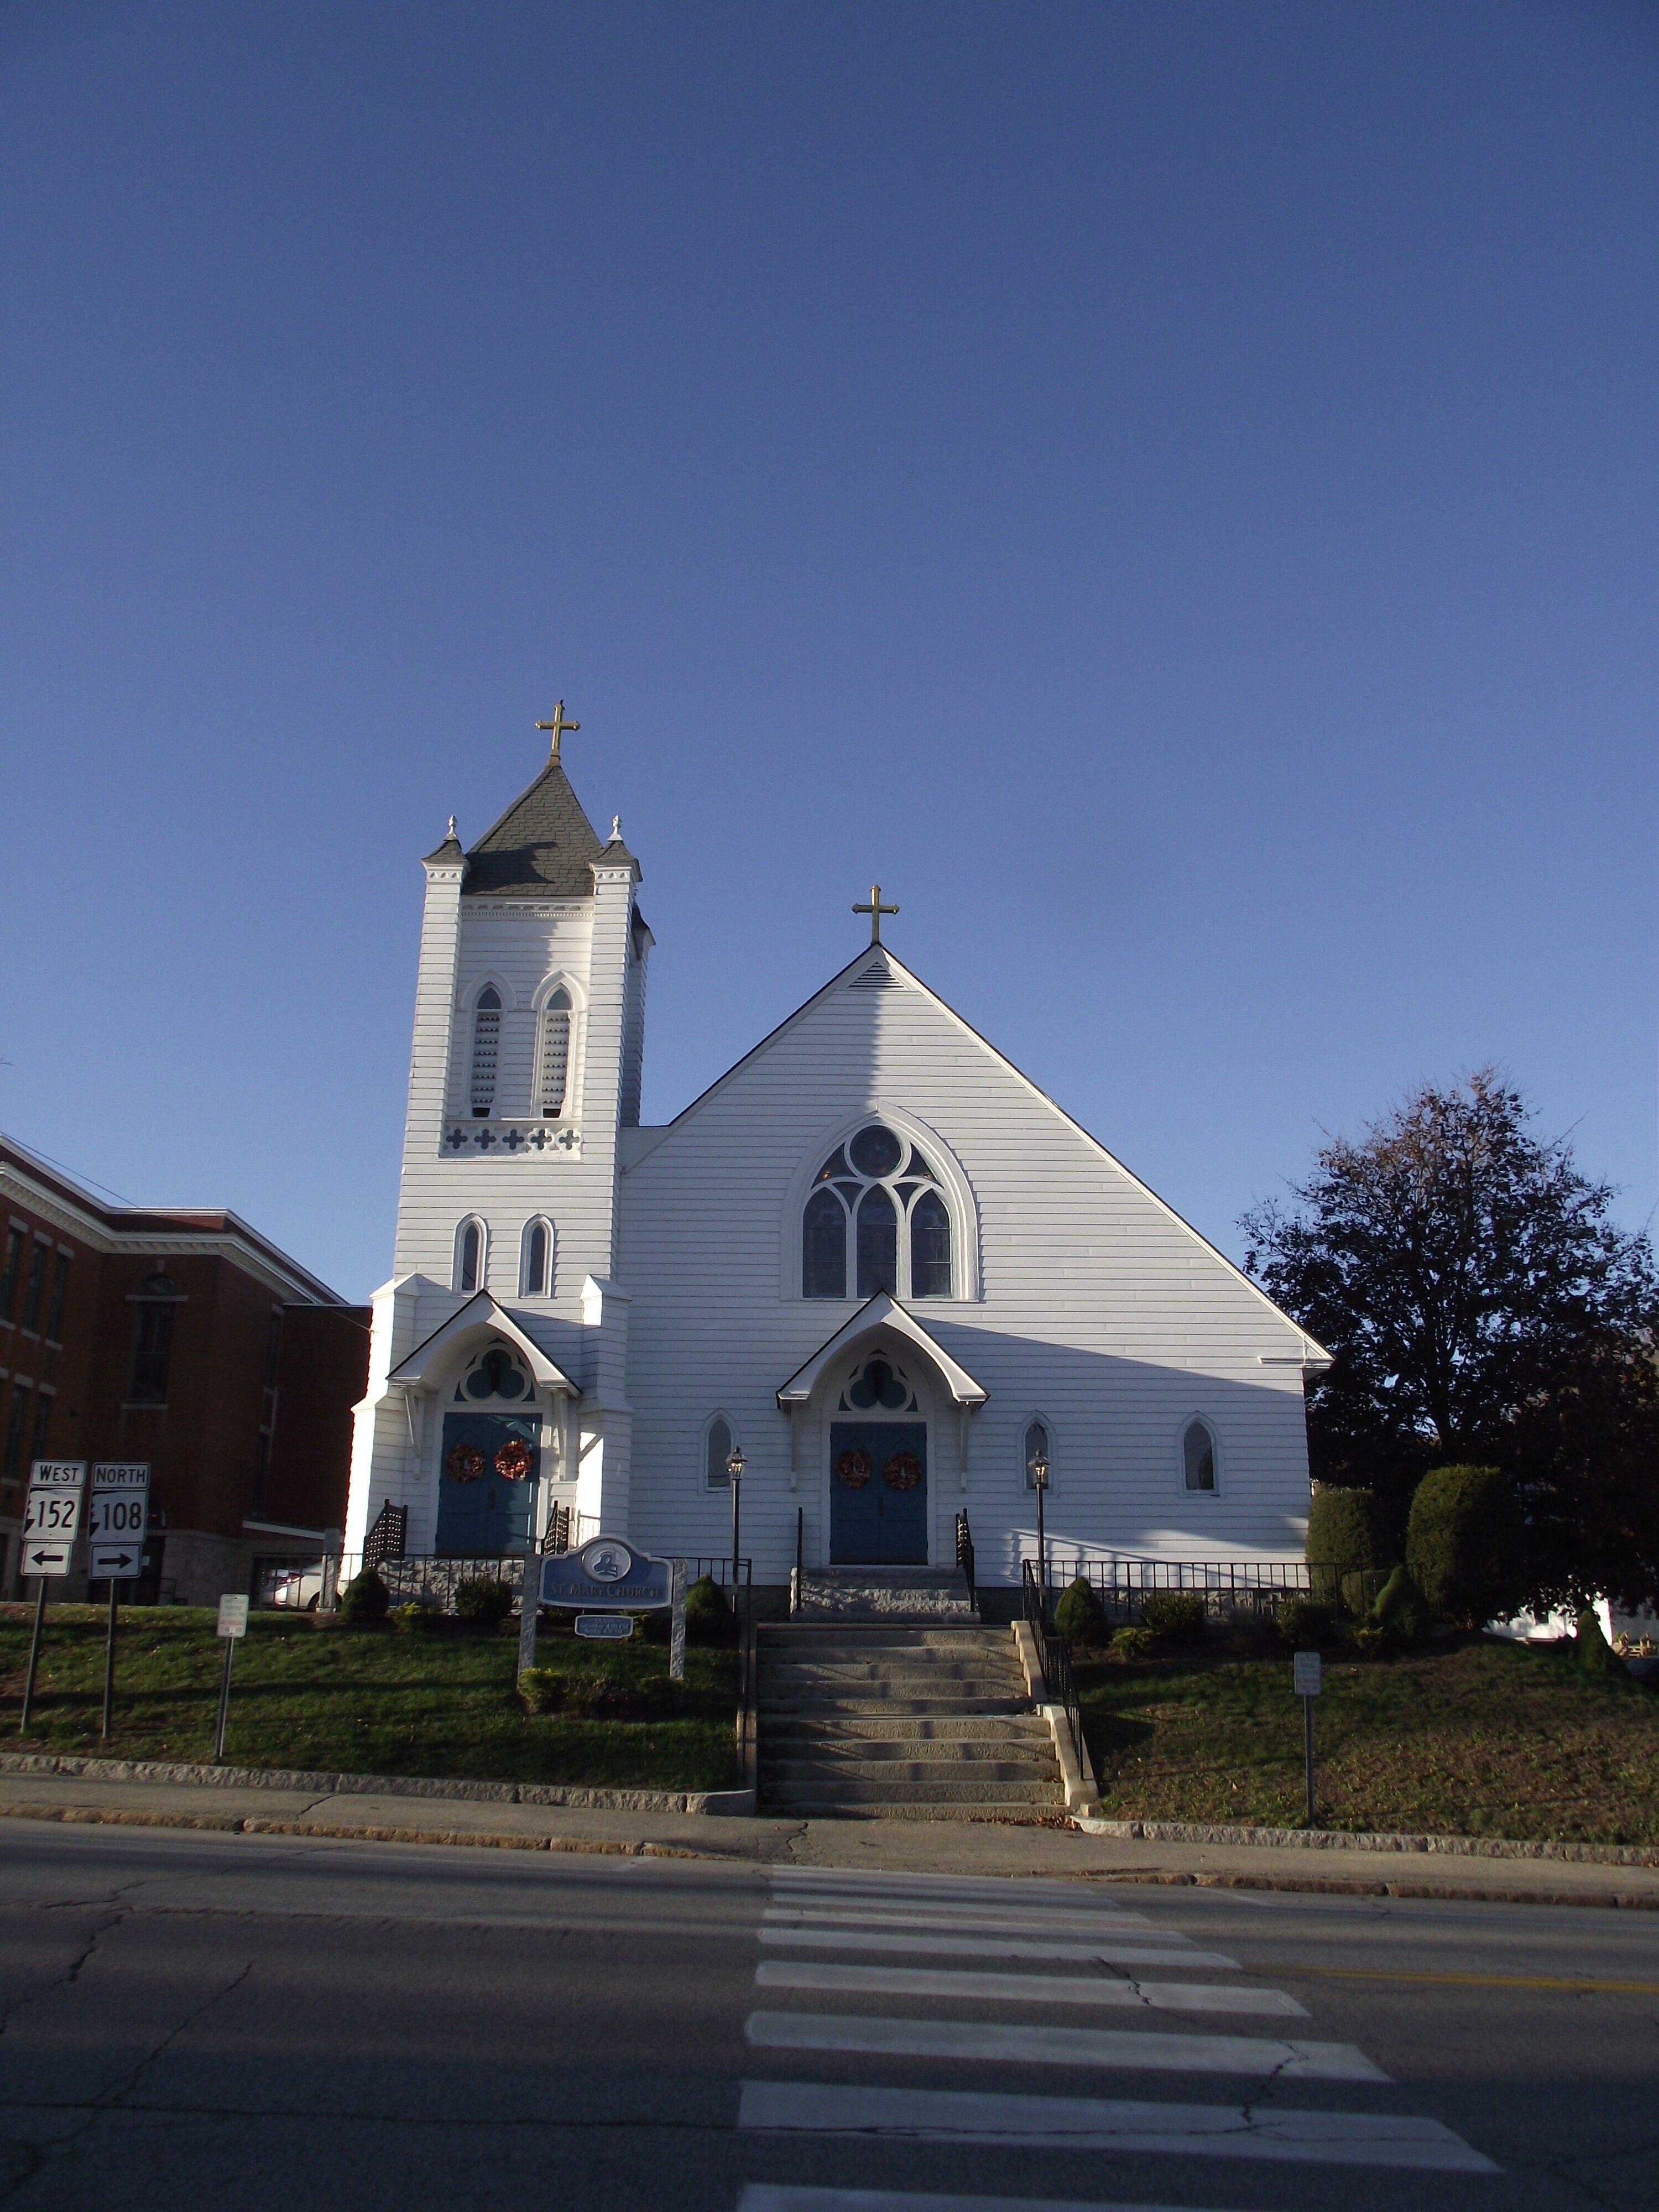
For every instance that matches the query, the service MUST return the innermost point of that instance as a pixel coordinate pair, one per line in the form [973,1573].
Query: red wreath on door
[512,1460]
[902,1471]
[854,1468]
[464,1464]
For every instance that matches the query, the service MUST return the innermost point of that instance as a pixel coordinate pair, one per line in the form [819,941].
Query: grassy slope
[1475,1738]
[361,1700]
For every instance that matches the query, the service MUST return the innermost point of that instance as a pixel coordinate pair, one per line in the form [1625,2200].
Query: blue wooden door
[482,1513]
[878,1493]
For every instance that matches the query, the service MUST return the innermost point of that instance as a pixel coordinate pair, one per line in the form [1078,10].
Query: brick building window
[16,1423]
[8,1274]
[152,1341]
[35,1286]
[59,1294]
[44,1401]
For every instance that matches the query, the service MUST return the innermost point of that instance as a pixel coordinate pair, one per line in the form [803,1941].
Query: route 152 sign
[52,1516]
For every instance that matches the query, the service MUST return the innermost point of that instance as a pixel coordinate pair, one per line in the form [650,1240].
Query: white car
[301,1587]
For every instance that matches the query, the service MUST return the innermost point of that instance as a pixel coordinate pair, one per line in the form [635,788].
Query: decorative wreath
[466,1463]
[854,1468]
[512,1460]
[902,1471]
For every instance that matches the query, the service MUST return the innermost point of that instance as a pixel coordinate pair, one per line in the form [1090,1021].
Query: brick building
[185,1338]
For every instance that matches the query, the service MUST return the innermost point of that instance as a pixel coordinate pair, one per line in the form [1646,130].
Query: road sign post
[1307,1680]
[117,1518]
[51,1521]
[232,1626]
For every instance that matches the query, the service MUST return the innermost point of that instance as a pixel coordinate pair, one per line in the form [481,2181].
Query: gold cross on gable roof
[557,726]
[875,909]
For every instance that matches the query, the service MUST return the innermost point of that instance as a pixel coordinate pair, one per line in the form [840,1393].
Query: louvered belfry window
[553,1076]
[486,1051]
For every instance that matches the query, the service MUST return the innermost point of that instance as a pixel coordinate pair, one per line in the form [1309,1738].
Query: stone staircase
[874,1596]
[912,1723]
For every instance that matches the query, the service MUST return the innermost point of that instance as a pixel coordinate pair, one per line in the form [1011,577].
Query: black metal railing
[1226,1586]
[300,1579]
[1052,1654]
[965,1555]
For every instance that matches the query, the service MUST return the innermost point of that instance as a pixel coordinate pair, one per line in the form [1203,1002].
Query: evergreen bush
[365,1597]
[1400,1609]
[1465,1544]
[1592,1651]
[708,1615]
[1304,1624]
[1176,1616]
[415,1618]
[482,1600]
[1079,1616]
[1133,1643]
[1344,1528]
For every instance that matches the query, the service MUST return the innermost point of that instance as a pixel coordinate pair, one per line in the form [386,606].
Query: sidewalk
[924,1846]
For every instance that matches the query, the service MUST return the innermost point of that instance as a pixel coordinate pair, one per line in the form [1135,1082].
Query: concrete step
[972,1777]
[874,1700]
[845,1642]
[846,1728]
[971,1791]
[944,1681]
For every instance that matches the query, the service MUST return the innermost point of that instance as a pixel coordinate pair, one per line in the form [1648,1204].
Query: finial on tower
[452,829]
[615,829]
[875,909]
[557,727]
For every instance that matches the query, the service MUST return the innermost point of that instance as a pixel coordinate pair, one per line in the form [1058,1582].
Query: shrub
[481,1600]
[365,1597]
[1178,1616]
[542,1689]
[1400,1609]
[1593,1652]
[417,1617]
[1304,1623]
[708,1615]
[1133,1643]
[1465,1544]
[1344,1528]
[598,1696]
[1368,1640]
[1079,1616]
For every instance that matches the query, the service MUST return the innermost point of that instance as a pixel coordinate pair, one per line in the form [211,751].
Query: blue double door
[880,1519]
[482,1513]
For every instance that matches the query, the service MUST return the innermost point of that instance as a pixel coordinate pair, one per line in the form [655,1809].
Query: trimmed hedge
[365,1597]
[1303,1625]
[482,1599]
[1079,1616]
[708,1618]
[1178,1616]
[1344,1530]
[1466,1544]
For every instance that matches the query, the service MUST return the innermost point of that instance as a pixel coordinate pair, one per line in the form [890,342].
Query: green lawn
[1469,1737]
[362,1700]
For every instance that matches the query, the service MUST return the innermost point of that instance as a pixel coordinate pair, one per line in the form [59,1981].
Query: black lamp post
[734,1467]
[1040,1483]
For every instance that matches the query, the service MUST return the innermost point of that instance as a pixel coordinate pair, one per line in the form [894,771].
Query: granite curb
[1345,1839]
[574,1796]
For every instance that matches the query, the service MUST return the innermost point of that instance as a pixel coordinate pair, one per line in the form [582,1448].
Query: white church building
[873,1258]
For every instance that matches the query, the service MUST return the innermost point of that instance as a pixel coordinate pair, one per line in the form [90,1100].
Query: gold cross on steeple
[875,909]
[558,726]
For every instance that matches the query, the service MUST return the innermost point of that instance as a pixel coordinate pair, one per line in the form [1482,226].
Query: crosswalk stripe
[997,2042]
[975,1916]
[770,2196]
[1071,2124]
[1023,1989]
[943,1944]
[996,1889]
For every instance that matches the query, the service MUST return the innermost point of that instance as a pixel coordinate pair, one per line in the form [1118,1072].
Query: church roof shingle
[544,846]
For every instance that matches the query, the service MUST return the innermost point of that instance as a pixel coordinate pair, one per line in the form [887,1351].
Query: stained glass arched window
[876,1219]
[1198,1456]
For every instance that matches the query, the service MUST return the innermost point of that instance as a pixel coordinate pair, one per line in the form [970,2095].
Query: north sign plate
[118,1517]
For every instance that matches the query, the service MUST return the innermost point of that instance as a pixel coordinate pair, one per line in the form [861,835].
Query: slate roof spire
[544,846]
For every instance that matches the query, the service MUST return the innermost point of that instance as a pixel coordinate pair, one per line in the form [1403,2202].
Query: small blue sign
[609,1572]
[609,1627]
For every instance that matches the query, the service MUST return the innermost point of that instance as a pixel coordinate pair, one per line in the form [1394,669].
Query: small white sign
[1305,1672]
[115,1562]
[611,1627]
[233,1615]
[49,1558]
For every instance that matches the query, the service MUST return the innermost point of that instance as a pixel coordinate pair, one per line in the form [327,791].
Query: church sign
[608,1572]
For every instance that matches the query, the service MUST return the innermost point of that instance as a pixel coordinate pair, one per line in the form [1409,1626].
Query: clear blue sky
[1169,489]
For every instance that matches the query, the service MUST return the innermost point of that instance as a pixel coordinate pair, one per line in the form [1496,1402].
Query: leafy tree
[1479,1303]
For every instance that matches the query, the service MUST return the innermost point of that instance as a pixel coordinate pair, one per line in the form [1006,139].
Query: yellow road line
[1480,1981]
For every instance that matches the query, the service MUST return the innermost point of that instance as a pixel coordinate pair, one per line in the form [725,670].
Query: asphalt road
[207,2021]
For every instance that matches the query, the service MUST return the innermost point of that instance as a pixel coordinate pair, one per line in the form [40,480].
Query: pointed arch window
[486,1051]
[553,1055]
[719,1442]
[471,1252]
[875,1218]
[536,1259]
[1198,1456]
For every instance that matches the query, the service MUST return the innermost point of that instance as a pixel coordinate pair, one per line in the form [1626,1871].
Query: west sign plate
[607,1571]
[51,1517]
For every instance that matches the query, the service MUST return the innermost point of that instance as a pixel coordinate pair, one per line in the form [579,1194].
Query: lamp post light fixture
[734,1467]
[1040,1483]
